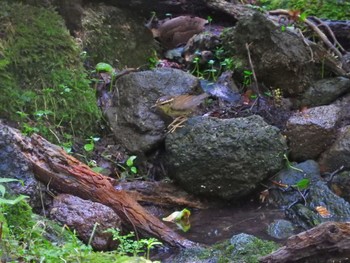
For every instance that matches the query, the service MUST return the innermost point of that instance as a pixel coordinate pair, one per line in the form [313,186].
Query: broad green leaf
[133,169]
[8,180]
[104,67]
[14,201]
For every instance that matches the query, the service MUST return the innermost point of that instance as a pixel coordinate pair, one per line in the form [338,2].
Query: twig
[252,68]
[330,32]
[313,27]
[334,173]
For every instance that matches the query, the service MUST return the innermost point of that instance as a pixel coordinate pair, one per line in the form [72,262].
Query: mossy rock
[18,217]
[42,78]
[116,36]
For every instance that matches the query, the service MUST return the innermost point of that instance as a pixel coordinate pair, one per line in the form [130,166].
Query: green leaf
[302,184]
[133,169]
[89,147]
[130,160]
[104,67]
[303,16]
[8,180]
[14,201]
[2,190]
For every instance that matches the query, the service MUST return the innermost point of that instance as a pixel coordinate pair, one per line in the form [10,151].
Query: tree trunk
[62,172]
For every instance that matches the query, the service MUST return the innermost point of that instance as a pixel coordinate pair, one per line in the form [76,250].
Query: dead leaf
[323,212]
[179,30]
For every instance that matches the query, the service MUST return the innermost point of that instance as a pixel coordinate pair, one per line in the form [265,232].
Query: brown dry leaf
[179,30]
[323,212]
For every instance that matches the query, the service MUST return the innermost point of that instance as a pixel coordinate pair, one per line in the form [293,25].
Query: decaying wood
[160,193]
[326,241]
[65,174]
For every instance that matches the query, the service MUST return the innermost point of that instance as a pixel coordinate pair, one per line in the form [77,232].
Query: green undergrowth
[43,82]
[331,9]
[30,238]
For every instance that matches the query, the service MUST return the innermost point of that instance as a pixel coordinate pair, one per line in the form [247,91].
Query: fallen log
[330,240]
[63,173]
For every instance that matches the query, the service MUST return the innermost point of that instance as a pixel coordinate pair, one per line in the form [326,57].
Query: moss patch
[18,217]
[42,79]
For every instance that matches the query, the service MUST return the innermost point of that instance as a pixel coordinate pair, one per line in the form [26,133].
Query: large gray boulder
[280,58]
[225,158]
[135,124]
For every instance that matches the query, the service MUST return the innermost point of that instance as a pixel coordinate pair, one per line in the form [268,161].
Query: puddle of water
[217,224]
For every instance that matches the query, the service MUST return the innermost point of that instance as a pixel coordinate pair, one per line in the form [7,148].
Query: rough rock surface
[281,229]
[325,91]
[341,185]
[14,165]
[224,158]
[115,36]
[301,206]
[81,215]
[312,131]
[280,58]
[135,124]
[338,154]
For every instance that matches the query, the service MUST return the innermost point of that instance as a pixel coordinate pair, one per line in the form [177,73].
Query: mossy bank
[43,82]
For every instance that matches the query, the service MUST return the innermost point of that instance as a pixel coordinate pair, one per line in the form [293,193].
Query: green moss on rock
[18,217]
[41,74]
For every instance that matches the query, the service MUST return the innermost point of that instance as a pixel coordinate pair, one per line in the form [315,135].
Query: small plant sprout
[127,245]
[90,146]
[150,243]
[247,78]
[196,70]
[130,164]
[212,70]
[227,64]
[290,166]
[129,168]
[153,60]
[209,19]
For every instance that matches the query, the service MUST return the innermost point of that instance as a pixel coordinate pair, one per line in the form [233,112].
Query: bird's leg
[177,123]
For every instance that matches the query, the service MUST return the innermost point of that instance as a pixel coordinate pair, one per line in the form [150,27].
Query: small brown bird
[179,107]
